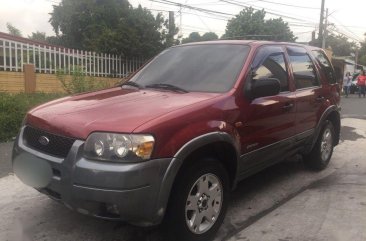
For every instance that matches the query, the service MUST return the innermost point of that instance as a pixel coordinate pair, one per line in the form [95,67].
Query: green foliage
[196,37]
[251,24]
[362,60]
[79,82]
[209,36]
[340,45]
[279,29]
[362,52]
[193,37]
[13,30]
[111,26]
[13,108]
[38,36]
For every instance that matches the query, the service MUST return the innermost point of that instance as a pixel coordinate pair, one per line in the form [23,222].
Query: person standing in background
[347,80]
[361,82]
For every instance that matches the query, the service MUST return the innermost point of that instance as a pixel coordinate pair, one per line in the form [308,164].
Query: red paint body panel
[176,118]
[112,110]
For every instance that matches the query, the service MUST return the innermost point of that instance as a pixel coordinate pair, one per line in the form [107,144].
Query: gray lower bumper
[128,192]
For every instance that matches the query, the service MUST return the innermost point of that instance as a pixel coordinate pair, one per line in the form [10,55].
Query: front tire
[199,201]
[320,155]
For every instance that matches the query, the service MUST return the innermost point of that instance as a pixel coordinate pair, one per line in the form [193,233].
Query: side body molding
[179,158]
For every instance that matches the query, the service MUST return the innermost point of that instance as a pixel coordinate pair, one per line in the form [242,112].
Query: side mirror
[265,87]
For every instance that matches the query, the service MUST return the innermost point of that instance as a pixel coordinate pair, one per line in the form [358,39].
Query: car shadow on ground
[350,134]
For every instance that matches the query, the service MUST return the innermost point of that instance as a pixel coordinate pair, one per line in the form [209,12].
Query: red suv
[173,141]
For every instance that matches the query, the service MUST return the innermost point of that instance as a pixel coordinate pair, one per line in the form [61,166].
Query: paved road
[332,208]
[284,196]
[354,107]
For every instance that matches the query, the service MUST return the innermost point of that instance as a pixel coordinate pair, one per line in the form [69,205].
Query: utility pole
[171,28]
[171,22]
[321,26]
[325,30]
[356,60]
[180,22]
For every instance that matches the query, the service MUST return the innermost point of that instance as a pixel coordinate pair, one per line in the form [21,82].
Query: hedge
[13,108]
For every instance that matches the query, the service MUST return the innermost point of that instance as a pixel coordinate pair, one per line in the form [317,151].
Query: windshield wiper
[167,87]
[131,83]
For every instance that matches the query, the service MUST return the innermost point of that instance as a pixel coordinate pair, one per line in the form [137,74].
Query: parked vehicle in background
[172,142]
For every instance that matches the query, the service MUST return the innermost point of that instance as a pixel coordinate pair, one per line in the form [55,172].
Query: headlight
[118,147]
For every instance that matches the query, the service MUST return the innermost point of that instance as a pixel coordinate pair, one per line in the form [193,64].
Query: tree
[38,36]
[340,45]
[193,37]
[280,29]
[251,24]
[196,37]
[209,36]
[362,52]
[13,30]
[362,60]
[111,26]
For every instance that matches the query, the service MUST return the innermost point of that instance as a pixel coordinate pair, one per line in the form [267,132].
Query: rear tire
[198,202]
[320,155]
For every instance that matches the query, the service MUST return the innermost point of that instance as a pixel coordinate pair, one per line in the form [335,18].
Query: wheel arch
[330,114]
[217,145]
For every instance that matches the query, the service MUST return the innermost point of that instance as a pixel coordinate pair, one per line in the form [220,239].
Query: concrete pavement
[333,208]
[5,155]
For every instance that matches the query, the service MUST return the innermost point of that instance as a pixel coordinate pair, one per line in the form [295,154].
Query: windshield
[197,68]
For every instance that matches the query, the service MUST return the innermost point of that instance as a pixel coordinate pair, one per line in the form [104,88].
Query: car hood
[111,110]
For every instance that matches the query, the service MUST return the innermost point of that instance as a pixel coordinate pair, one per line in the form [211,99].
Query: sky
[347,17]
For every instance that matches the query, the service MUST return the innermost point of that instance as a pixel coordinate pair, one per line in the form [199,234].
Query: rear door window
[303,68]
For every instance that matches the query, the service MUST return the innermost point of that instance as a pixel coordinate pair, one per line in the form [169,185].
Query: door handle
[320,98]
[287,106]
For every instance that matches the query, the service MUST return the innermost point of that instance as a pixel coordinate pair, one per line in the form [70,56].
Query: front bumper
[123,191]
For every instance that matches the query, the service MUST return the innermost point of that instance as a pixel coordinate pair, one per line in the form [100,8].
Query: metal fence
[50,59]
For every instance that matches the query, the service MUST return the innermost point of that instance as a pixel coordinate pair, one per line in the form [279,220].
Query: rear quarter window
[303,68]
[325,65]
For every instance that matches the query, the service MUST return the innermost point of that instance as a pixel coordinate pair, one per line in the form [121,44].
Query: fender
[326,113]
[179,158]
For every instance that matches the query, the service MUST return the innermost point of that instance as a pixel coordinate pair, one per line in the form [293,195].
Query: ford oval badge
[44,140]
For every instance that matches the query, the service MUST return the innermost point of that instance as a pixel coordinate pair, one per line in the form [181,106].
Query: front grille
[58,146]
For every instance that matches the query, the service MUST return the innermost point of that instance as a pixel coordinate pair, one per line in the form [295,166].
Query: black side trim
[257,160]
[203,140]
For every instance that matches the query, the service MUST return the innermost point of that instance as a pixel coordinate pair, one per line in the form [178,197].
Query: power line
[198,28]
[204,23]
[52,1]
[272,12]
[289,5]
[223,16]
[208,11]
[191,7]
[300,33]
[342,33]
[217,18]
[160,10]
[347,29]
